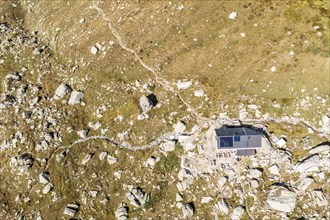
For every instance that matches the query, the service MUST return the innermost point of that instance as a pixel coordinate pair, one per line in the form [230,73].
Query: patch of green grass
[168,164]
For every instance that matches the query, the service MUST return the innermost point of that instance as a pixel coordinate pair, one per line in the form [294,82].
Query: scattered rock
[94,50]
[206,199]
[232,15]
[49,187]
[44,177]
[180,127]
[187,210]
[111,159]
[75,97]
[61,91]
[184,85]
[178,197]
[152,161]
[71,209]
[238,213]
[274,170]
[222,206]
[199,93]
[181,185]
[281,199]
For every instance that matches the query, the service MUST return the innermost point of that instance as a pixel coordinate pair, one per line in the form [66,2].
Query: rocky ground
[104,107]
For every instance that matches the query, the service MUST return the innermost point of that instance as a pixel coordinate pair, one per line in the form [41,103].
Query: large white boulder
[281,199]
[322,149]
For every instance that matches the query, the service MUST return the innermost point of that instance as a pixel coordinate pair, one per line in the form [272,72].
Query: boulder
[179,127]
[274,170]
[76,97]
[321,149]
[49,187]
[61,91]
[187,210]
[222,181]
[238,213]
[281,199]
[199,93]
[148,102]
[255,173]
[254,183]
[319,197]
[44,177]
[222,206]
[308,164]
[305,183]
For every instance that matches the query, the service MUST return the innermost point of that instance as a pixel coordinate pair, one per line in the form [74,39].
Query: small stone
[199,93]
[273,69]
[178,197]
[232,15]
[254,183]
[94,50]
[82,20]
[184,85]
[206,199]
[111,159]
[93,193]
[281,142]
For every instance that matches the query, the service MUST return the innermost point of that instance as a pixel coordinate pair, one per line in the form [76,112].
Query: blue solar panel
[237,138]
[226,142]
